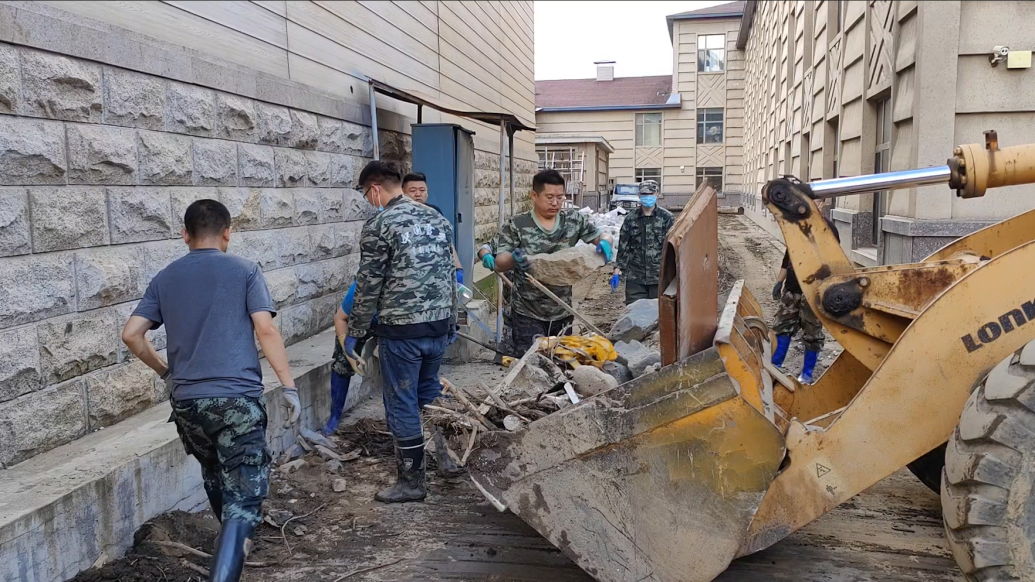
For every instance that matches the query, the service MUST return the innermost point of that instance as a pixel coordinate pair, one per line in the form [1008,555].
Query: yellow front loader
[672,476]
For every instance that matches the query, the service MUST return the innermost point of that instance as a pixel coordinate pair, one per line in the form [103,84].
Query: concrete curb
[80,504]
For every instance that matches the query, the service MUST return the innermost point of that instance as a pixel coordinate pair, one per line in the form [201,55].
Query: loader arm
[928,332]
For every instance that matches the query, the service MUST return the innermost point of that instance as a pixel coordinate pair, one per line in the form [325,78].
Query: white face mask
[380,207]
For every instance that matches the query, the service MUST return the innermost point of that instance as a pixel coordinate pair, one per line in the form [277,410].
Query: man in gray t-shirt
[213,305]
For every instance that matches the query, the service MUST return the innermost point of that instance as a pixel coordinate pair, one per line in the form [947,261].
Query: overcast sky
[569,36]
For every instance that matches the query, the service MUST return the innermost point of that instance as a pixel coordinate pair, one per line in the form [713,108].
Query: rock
[305,130]
[293,452]
[273,123]
[108,276]
[567,266]
[326,453]
[32,152]
[355,206]
[296,323]
[324,309]
[590,381]
[99,154]
[320,205]
[139,214]
[394,145]
[339,485]
[35,288]
[157,336]
[636,356]
[19,362]
[341,171]
[114,395]
[319,278]
[512,423]
[277,208]
[260,247]
[244,207]
[334,467]
[638,321]
[255,165]
[68,218]
[41,421]
[318,168]
[165,158]
[292,168]
[158,255]
[191,109]
[292,466]
[133,100]
[10,80]
[331,136]
[325,241]
[618,371]
[15,237]
[357,140]
[235,118]
[215,162]
[181,198]
[316,438]
[73,345]
[61,88]
[283,285]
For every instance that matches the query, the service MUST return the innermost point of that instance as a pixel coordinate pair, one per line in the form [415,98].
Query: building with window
[677,129]
[838,88]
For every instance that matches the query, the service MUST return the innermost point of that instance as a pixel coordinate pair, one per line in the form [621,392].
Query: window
[648,129]
[714,176]
[709,125]
[711,53]
[881,161]
[648,174]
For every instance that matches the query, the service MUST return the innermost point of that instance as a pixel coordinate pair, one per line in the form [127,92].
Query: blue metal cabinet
[444,152]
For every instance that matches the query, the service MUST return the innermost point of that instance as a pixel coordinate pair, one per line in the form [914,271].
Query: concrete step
[80,504]
[865,256]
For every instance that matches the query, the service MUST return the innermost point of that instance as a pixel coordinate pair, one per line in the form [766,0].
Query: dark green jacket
[640,242]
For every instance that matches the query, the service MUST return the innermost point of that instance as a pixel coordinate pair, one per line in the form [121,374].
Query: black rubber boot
[410,484]
[231,549]
[447,468]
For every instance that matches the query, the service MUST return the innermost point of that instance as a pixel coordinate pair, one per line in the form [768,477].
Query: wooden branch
[564,305]
[470,445]
[460,396]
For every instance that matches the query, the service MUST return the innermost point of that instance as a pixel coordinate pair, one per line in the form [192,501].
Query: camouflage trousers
[228,437]
[793,314]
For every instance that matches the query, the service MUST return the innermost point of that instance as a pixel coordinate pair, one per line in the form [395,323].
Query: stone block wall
[97,165]
[487,191]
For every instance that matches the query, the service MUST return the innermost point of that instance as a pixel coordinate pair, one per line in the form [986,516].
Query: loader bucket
[655,480]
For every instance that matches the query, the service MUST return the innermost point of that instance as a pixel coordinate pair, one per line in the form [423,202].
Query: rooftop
[621,93]
[727,10]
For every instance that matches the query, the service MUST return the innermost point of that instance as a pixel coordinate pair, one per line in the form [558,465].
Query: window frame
[718,53]
[703,125]
[639,176]
[639,133]
[881,159]
[702,172]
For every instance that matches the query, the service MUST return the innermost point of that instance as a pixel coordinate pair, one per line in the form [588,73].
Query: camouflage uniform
[228,437]
[639,251]
[406,275]
[532,311]
[793,314]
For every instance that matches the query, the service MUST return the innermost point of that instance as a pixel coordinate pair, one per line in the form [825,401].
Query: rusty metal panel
[689,279]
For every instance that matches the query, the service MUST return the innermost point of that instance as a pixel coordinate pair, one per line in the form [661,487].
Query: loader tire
[928,468]
[987,486]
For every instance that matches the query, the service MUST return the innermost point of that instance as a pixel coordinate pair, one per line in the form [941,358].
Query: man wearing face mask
[642,238]
[406,276]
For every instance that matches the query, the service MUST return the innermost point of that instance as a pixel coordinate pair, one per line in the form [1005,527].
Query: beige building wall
[819,76]
[468,56]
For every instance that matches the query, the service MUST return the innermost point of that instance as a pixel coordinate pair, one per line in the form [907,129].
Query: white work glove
[292,407]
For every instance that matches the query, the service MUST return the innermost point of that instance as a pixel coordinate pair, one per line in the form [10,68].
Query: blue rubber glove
[614,282]
[777,290]
[604,248]
[452,334]
[460,276]
[489,262]
[350,347]
[521,259]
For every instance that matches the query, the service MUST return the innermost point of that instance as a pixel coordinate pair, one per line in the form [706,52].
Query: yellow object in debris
[507,361]
[577,350]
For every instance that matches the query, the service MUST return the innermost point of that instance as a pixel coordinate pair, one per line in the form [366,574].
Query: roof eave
[745,24]
[606,108]
[673,17]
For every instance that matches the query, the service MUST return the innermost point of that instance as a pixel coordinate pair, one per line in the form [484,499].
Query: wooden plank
[394,15]
[242,16]
[278,7]
[394,41]
[349,46]
[176,26]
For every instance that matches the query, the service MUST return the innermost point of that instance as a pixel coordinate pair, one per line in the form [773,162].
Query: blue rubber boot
[783,343]
[808,367]
[339,393]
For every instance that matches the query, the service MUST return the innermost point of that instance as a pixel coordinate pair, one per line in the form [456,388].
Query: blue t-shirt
[205,300]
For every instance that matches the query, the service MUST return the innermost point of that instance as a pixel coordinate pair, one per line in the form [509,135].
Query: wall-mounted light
[1014,59]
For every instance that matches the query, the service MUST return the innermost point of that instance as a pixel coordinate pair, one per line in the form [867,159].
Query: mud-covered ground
[891,532]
